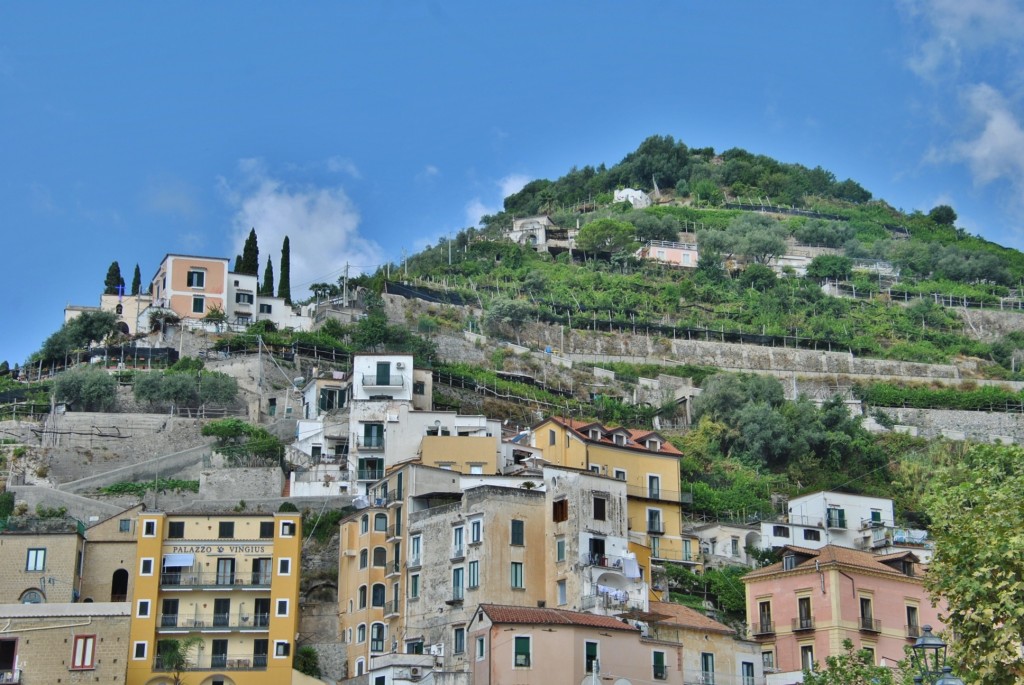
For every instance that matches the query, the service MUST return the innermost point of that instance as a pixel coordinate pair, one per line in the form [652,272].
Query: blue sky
[365,129]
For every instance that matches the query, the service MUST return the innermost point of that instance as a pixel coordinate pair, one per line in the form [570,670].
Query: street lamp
[930,659]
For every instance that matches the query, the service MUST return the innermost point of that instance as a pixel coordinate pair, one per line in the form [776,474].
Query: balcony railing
[231,621]
[912,632]
[660,672]
[804,623]
[391,607]
[655,527]
[606,601]
[371,474]
[458,552]
[677,556]
[187,579]
[414,562]
[660,494]
[371,380]
[762,628]
[395,531]
[227,662]
[370,443]
[602,560]
[11,676]
[869,624]
[393,567]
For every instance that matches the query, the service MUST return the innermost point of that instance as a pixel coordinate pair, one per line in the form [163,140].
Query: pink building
[803,608]
[672,253]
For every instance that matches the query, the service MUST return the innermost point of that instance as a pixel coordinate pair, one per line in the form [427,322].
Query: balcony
[393,568]
[912,632]
[226,662]
[870,625]
[187,580]
[370,443]
[762,628]
[394,531]
[212,622]
[372,380]
[413,563]
[655,527]
[656,493]
[803,623]
[458,553]
[391,608]
[371,474]
[660,672]
[11,676]
[603,560]
[611,602]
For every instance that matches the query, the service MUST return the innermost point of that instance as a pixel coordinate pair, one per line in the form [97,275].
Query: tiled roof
[832,554]
[65,609]
[635,441]
[500,613]
[686,617]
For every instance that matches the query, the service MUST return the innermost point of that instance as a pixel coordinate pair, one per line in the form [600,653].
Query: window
[419,388]
[768,660]
[243,298]
[805,620]
[364,524]
[139,651]
[287,529]
[266,530]
[560,549]
[590,656]
[764,616]
[654,524]
[480,649]
[377,637]
[595,468]
[474,574]
[457,583]
[735,547]
[807,657]
[518,537]
[361,633]
[377,594]
[560,510]
[146,567]
[457,539]
[867,619]
[196,279]
[687,550]
[364,555]
[176,530]
[143,609]
[414,586]
[913,629]
[284,567]
[780,531]
[35,560]
[83,652]
[226,530]
[380,557]
[560,589]
[149,529]
[415,545]
[660,671]
[362,596]
[788,562]
[517,575]
[707,667]
[551,437]
[835,517]
[124,526]
[282,649]
[654,487]
[31,597]
[747,672]
[282,607]
[459,641]
[814,535]
[522,651]
[870,653]
[476,531]
[600,508]
[620,474]
[198,304]
[265,308]
[380,522]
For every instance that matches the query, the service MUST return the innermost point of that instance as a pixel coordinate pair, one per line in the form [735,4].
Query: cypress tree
[250,255]
[284,286]
[137,281]
[238,264]
[113,283]
[268,280]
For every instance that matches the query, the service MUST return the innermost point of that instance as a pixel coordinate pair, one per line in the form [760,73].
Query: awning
[179,560]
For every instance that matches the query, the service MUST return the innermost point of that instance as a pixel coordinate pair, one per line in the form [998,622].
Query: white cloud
[340,165]
[429,172]
[954,27]
[508,185]
[475,209]
[512,184]
[322,225]
[170,196]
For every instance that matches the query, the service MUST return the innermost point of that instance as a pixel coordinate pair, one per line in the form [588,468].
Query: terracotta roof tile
[500,613]
[635,440]
[833,554]
[686,617]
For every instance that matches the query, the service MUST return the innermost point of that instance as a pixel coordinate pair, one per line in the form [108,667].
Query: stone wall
[82,508]
[183,465]
[241,483]
[975,426]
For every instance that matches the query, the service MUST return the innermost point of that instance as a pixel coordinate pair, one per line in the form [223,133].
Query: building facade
[225,586]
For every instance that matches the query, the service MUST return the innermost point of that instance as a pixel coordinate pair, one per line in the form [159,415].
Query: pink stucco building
[803,608]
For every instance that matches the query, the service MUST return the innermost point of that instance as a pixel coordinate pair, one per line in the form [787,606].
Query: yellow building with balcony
[224,585]
[647,463]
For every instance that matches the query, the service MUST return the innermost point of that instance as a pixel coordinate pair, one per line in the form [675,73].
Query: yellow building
[228,584]
[648,464]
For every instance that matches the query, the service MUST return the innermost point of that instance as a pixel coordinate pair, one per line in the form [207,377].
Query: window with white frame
[146,567]
[282,649]
[287,529]
[481,649]
[474,574]
[620,474]
[196,278]
[459,640]
[361,633]
[281,608]
[414,586]
[522,651]
[149,529]
[35,559]
[517,575]
[590,656]
[143,609]
[198,304]
[560,549]
[476,530]
[284,566]
[139,650]
[562,597]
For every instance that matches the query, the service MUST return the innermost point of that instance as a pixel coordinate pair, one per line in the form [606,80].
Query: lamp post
[929,657]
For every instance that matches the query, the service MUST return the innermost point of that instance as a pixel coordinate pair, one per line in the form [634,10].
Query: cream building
[108,573]
[41,560]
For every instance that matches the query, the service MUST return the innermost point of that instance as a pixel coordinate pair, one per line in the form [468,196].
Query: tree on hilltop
[113,284]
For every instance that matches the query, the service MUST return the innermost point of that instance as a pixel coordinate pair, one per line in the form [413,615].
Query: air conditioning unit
[399,365]
[414,673]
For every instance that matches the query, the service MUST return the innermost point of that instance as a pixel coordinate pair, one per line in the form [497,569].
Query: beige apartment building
[108,574]
[41,560]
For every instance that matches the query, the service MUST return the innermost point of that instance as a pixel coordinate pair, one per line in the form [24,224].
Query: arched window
[362,558]
[380,556]
[377,637]
[378,594]
[34,597]
[380,522]
[361,633]
[119,586]
[364,524]
[360,664]
[362,596]
[119,310]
